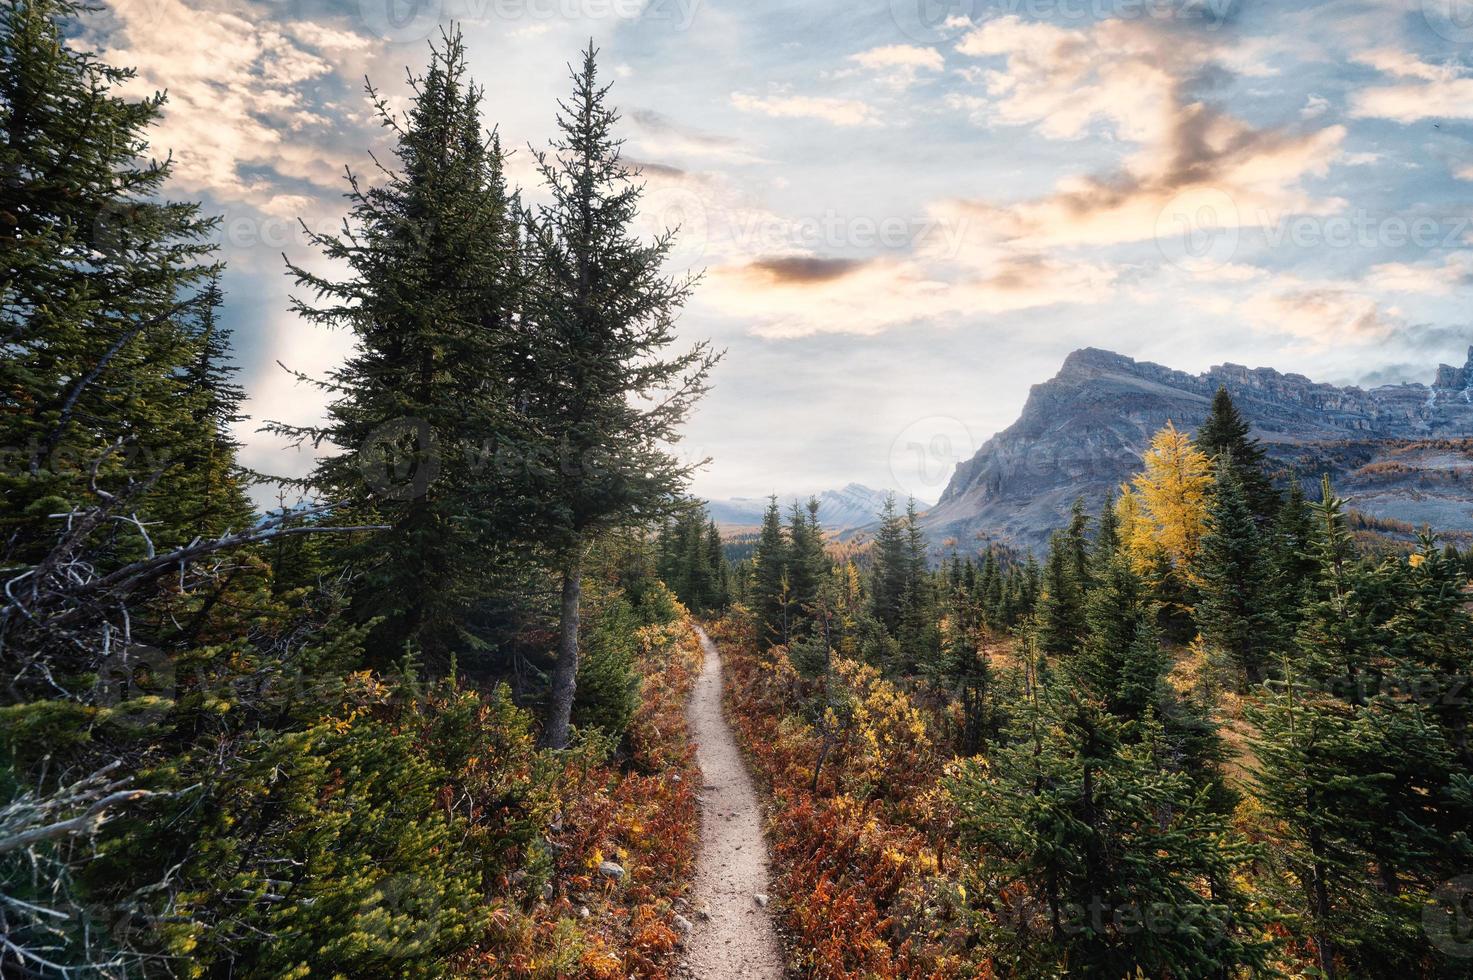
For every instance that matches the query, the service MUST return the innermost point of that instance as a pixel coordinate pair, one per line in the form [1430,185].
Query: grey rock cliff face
[1394,450]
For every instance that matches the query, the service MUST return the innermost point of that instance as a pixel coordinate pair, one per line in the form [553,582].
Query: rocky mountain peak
[1083,432]
[1457,379]
[1092,361]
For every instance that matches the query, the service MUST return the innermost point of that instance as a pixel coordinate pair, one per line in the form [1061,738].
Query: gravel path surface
[734,938]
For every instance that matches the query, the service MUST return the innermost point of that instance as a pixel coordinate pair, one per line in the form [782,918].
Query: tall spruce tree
[890,570]
[1337,634]
[916,635]
[691,560]
[716,559]
[961,668]
[606,391]
[1370,799]
[1292,566]
[1235,607]
[1117,615]
[808,563]
[1107,536]
[210,482]
[769,591]
[98,280]
[1061,603]
[1076,534]
[1225,437]
[430,301]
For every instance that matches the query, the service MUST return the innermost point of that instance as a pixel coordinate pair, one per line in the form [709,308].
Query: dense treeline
[1206,738]
[245,745]
[692,560]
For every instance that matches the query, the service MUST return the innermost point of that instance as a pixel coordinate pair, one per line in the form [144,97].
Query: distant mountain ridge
[1397,450]
[852,506]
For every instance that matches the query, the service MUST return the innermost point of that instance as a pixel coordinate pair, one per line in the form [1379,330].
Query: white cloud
[1320,313]
[1134,79]
[242,98]
[839,112]
[899,65]
[1422,278]
[1428,91]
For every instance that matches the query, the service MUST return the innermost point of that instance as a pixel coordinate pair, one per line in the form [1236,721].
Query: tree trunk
[565,674]
[1322,940]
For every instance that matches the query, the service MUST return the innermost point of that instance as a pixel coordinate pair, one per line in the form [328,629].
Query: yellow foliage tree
[1137,533]
[889,743]
[1171,494]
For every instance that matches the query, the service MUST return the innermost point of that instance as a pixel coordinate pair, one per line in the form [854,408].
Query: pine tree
[1061,604]
[962,669]
[991,586]
[210,479]
[99,277]
[608,685]
[1087,830]
[691,561]
[1292,566]
[1370,801]
[890,575]
[604,389]
[916,634]
[108,420]
[769,577]
[721,577]
[1107,537]
[1119,618]
[1356,791]
[1234,610]
[1429,631]
[430,298]
[808,563]
[1224,437]
[1336,638]
[1077,537]
[1029,585]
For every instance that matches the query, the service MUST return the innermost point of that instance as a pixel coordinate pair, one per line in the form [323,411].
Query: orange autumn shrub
[859,849]
[574,915]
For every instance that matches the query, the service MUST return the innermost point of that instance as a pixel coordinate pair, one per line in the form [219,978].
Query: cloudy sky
[908,211]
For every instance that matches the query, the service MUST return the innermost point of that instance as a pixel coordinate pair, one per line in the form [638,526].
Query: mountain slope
[1397,451]
[851,507]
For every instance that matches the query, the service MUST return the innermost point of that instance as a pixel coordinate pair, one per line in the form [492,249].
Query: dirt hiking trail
[733,938]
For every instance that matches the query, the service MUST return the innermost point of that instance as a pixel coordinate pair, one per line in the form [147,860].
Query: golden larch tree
[1137,533]
[1172,493]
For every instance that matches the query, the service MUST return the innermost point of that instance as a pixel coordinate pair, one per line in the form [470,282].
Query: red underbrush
[858,824]
[603,836]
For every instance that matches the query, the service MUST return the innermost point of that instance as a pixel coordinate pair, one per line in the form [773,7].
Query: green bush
[608,685]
